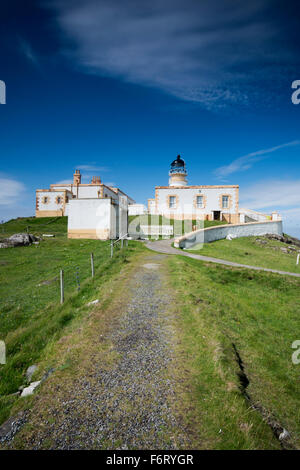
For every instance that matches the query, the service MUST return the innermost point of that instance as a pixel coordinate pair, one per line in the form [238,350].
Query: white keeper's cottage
[94,209]
[178,200]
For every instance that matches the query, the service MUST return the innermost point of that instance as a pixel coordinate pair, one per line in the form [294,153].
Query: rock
[93,302]
[30,371]
[47,282]
[261,241]
[284,435]
[285,250]
[47,374]
[48,235]
[22,239]
[29,390]
[284,238]
[18,239]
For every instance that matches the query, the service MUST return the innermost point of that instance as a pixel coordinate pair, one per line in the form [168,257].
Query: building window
[199,202]
[172,202]
[58,200]
[225,202]
[45,200]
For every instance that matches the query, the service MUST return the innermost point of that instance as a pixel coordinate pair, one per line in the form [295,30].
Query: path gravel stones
[130,404]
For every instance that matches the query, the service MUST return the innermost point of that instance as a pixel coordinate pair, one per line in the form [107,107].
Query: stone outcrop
[284,238]
[18,239]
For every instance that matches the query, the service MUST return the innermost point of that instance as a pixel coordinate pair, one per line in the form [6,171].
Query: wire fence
[67,276]
[31,279]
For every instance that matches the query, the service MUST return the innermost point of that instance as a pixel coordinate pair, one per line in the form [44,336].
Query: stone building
[94,210]
[178,200]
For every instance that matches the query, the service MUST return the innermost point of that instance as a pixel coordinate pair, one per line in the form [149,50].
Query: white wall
[151,205]
[98,218]
[90,216]
[88,191]
[137,209]
[186,200]
[51,205]
[219,232]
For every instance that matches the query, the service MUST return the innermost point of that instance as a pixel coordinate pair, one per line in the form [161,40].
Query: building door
[217,215]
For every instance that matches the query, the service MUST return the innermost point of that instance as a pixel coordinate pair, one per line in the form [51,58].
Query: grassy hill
[233,316]
[255,251]
[30,313]
[35,226]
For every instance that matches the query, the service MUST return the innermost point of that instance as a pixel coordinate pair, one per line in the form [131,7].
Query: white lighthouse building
[179,200]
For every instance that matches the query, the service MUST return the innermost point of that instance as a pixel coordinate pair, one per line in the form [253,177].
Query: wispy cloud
[10,191]
[90,168]
[276,194]
[28,52]
[273,194]
[210,52]
[245,162]
[62,182]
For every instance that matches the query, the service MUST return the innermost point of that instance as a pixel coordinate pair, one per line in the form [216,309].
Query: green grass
[30,313]
[35,226]
[247,250]
[259,313]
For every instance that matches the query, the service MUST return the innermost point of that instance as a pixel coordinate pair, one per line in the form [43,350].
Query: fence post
[61,286]
[122,243]
[111,249]
[92,264]
[298,256]
[77,279]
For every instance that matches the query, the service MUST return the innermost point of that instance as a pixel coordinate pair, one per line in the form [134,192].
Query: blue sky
[119,88]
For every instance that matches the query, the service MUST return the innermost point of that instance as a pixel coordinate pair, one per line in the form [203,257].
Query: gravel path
[128,405]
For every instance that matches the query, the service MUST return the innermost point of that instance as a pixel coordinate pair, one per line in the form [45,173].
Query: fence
[115,245]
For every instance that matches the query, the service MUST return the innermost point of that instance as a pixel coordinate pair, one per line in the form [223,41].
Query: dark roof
[178,163]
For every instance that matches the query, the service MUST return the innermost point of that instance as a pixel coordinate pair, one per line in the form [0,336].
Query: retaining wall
[212,234]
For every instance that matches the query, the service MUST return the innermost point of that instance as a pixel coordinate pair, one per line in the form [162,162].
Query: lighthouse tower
[178,173]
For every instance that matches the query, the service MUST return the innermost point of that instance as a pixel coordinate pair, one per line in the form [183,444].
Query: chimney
[96,180]
[77,177]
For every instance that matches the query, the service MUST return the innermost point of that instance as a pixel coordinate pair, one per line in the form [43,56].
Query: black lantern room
[178,166]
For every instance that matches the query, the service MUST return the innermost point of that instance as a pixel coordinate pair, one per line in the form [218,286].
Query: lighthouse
[178,173]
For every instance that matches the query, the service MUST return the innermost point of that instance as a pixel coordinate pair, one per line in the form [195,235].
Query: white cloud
[247,161]
[280,195]
[273,194]
[10,191]
[211,52]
